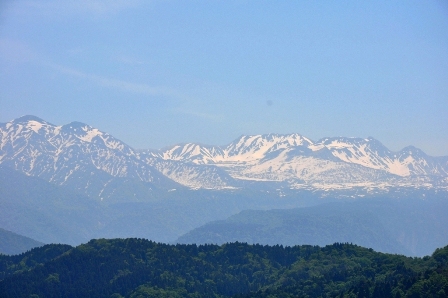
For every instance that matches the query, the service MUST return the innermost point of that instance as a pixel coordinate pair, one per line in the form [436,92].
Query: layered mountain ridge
[368,152]
[328,163]
[97,164]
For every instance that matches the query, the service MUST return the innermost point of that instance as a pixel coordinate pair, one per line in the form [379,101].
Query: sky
[157,73]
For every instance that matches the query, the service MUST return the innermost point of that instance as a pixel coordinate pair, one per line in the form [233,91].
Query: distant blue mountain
[411,226]
[13,244]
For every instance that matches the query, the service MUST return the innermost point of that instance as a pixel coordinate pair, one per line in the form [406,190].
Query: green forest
[142,268]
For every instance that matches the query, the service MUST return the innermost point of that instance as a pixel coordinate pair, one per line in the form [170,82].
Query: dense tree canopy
[141,268]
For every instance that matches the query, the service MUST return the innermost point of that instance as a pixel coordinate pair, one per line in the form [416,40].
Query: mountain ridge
[83,156]
[411,226]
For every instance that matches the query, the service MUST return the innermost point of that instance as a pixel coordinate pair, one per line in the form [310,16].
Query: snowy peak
[420,164]
[26,124]
[370,153]
[412,151]
[16,134]
[343,142]
[27,118]
[88,134]
[355,145]
[249,148]
[192,153]
[243,149]
[365,152]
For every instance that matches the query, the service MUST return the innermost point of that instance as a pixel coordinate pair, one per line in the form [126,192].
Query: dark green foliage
[30,259]
[141,268]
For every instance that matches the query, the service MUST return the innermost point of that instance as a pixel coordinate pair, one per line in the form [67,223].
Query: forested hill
[142,268]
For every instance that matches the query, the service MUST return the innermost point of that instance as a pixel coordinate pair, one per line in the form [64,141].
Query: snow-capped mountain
[368,152]
[302,162]
[75,155]
[190,174]
[410,161]
[96,163]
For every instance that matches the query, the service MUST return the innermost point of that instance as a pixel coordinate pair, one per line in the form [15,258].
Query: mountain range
[97,164]
[71,183]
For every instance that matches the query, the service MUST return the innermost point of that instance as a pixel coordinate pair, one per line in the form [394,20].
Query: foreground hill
[141,268]
[410,226]
[13,244]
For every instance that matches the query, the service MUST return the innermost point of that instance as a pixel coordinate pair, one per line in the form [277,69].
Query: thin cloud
[139,89]
[208,116]
[119,84]
[124,59]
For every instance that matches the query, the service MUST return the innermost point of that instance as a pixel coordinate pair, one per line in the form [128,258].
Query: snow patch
[34,125]
[90,134]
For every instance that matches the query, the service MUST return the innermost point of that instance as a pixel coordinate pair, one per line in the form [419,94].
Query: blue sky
[157,73]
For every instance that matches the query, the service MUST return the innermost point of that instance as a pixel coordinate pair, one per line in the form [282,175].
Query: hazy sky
[157,73]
